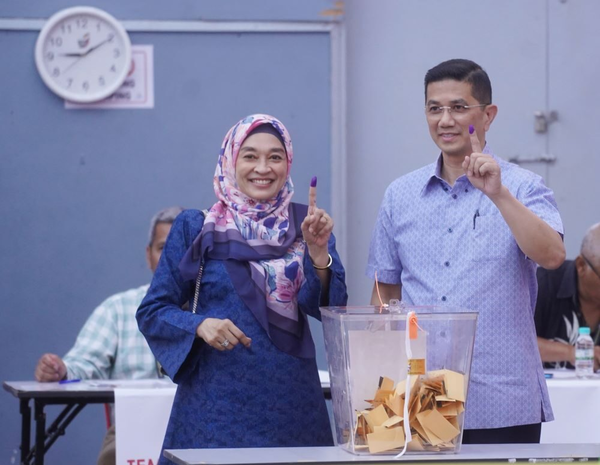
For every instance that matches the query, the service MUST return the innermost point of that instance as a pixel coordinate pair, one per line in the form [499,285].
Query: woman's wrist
[321,261]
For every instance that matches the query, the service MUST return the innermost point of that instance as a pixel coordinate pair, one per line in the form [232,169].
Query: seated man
[110,346]
[569,298]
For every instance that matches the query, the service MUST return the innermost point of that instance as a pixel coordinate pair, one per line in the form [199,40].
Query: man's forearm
[534,236]
[387,291]
[553,351]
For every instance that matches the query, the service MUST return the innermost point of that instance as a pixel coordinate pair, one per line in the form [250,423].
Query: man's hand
[536,239]
[482,170]
[50,368]
[222,334]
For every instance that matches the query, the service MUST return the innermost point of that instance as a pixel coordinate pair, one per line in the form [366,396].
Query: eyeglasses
[456,111]
[590,265]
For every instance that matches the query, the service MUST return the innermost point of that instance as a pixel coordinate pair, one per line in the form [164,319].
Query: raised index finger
[475,145]
[312,195]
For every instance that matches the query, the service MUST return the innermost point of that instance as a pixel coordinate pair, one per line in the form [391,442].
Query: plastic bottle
[584,354]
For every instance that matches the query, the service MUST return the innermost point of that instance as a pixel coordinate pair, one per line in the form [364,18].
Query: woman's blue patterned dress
[256,397]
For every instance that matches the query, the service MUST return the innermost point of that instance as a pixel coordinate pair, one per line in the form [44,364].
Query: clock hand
[91,49]
[72,54]
[72,63]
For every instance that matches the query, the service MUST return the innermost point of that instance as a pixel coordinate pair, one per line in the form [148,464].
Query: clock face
[83,54]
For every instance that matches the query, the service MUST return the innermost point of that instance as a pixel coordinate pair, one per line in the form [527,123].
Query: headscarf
[260,242]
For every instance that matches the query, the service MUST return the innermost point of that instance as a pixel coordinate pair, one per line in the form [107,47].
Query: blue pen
[67,381]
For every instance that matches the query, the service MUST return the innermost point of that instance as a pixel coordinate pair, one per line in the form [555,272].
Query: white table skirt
[576,406]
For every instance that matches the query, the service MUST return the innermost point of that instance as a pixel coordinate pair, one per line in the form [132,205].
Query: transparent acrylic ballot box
[378,355]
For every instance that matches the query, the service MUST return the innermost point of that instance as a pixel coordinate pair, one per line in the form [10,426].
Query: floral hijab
[260,243]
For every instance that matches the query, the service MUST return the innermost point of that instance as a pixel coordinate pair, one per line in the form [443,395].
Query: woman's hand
[316,228]
[222,334]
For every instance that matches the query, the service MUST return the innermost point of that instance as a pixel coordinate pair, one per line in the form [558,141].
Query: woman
[245,361]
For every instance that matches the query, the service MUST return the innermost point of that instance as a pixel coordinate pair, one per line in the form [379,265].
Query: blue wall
[78,188]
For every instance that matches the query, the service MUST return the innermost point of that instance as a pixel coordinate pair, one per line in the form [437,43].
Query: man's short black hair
[462,70]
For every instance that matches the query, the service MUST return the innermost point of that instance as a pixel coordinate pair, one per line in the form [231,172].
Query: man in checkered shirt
[110,345]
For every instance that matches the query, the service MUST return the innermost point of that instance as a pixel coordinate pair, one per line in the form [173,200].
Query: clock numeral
[98,26]
[69,82]
[82,23]
[113,68]
[85,85]
[56,72]
[56,41]
[116,53]
[65,28]
[50,56]
[101,81]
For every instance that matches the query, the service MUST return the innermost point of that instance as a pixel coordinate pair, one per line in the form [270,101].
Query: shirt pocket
[492,239]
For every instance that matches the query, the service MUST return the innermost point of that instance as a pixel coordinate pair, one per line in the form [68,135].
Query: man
[569,298]
[467,231]
[110,345]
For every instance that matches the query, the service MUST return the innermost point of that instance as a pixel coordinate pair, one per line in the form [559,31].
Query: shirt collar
[435,171]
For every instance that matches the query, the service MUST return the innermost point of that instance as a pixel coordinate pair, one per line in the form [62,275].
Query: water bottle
[584,354]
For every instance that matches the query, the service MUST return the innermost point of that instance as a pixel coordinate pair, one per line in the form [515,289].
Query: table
[74,396]
[327,455]
[576,405]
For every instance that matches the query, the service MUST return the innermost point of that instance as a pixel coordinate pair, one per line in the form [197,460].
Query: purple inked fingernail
[313,182]
[471,129]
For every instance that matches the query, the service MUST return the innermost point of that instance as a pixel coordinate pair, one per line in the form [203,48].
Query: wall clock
[83,54]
